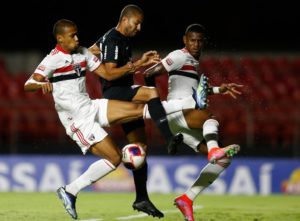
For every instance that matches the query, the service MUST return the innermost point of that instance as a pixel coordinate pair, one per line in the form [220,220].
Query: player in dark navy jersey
[117,58]
[116,49]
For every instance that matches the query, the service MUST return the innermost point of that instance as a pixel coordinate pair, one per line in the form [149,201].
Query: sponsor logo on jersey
[41,68]
[169,61]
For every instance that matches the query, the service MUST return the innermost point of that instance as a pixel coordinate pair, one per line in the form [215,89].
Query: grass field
[117,206]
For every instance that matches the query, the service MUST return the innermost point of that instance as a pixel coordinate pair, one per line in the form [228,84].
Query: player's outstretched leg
[218,153]
[200,94]
[159,116]
[68,201]
[147,207]
[185,205]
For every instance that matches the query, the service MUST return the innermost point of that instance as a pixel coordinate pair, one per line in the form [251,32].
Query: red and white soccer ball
[133,156]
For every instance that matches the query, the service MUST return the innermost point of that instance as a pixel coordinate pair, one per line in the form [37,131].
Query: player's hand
[231,89]
[150,57]
[47,88]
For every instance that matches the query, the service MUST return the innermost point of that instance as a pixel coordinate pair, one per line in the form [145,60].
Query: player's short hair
[130,10]
[59,26]
[195,28]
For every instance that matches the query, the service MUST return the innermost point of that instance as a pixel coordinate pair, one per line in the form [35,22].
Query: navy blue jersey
[115,48]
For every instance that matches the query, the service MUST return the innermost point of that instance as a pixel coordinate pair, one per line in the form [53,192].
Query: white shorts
[191,137]
[86,129]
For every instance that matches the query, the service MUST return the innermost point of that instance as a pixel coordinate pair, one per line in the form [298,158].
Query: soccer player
[119,84]
[199,128]
[62,73]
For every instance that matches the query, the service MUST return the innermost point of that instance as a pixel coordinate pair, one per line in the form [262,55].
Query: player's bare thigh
[145,94]
[196,118]
[108,150]
[122,111]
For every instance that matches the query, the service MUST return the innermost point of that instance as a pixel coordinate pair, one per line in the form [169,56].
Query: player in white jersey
[199,128]
[62,73]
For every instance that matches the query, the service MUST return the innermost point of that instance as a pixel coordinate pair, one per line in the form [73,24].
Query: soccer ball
[133,156]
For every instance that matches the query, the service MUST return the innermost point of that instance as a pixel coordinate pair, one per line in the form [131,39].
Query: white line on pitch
[91,219]
[143,215]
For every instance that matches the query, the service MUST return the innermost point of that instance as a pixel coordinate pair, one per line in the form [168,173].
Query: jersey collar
[59,48]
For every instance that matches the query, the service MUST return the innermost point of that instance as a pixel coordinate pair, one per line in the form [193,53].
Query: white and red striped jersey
[67,74]
[183,73]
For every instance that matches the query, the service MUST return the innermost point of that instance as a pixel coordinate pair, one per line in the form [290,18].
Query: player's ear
[184,39]
[59,38]
[125,19]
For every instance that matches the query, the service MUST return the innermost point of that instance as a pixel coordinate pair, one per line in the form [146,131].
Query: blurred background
[252,43]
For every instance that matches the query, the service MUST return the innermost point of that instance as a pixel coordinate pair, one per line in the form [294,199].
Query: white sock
[96,171]
[172,106]
[210,133]
[206,177]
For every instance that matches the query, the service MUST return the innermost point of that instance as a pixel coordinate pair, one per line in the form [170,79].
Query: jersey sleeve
[173,61]
[46,67]
[93,61]
[110,49]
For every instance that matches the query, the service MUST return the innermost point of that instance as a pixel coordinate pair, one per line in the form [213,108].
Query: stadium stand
[264,120]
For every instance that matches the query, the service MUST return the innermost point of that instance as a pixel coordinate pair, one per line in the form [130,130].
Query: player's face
[133,25]
[194,42]
[69,39]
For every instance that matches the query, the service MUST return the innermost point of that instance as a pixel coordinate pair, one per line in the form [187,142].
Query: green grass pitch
[117,206]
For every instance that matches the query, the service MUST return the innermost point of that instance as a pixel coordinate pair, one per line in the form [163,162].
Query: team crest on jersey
[92,137]
[169,61]
[77,68]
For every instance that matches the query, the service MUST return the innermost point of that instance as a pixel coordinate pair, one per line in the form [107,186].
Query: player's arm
[230,88]
[154,70]
[110,71]
[36,82]
[114,72]
[150,73]
[95,50]
[148,58]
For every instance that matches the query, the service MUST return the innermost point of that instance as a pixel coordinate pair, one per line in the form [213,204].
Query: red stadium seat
[264,118]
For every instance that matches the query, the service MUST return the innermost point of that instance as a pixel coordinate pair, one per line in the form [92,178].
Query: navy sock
[140,181]
[158,115]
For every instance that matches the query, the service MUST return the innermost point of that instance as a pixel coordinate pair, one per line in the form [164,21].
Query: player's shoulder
[54,56]
[112,36]
[178,54]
